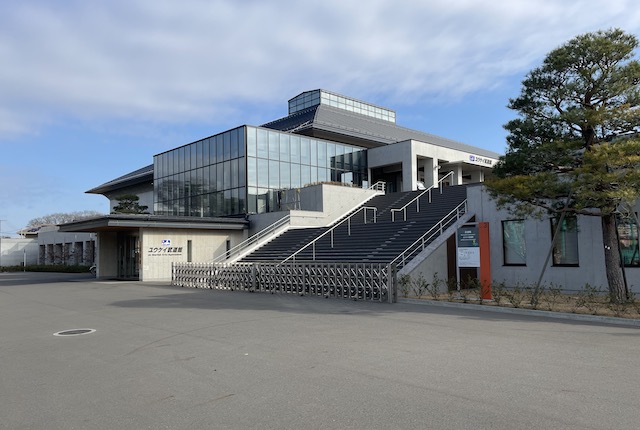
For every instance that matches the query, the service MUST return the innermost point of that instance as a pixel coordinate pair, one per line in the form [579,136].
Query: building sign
[165,249]
[475,159]
[468,247]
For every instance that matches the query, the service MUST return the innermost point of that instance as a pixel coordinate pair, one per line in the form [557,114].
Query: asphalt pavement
[171,358]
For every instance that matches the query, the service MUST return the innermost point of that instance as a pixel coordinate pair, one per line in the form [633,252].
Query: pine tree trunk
[617,290]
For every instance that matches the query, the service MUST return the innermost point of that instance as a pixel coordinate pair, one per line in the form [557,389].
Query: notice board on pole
[468,247]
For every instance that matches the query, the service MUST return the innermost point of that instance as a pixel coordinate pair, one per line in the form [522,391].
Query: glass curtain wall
[278,161]
[203,179]
[248,169]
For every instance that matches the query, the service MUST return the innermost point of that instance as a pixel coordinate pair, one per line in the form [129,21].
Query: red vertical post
[485,260]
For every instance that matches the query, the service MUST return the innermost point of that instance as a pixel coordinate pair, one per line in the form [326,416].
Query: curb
[531,312]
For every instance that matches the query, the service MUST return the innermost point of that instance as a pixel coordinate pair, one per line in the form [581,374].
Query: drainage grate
[75,332]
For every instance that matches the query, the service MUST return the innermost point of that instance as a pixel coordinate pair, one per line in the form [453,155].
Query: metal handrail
[330,231]
[417,198]
[439,228]
[252,240]
[379,186]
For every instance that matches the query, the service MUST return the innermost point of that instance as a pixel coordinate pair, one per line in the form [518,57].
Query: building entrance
[128,256]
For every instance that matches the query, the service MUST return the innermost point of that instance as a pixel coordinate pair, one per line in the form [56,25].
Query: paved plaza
[172,358]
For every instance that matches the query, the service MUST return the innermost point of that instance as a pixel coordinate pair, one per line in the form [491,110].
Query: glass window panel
[294,149]
[251,142]
[331,152]
[314,175]
[565,251]
[205,205]
[252,200]
[213,185]
[234,207]
[195,185]
[252,172]
[198,153]
[274,174]
[212,151]
[242,173]
[263,172]
[179,193]
[295,176]
[314,152]
[205,179]
[284,147]
[220,176]
[219,149]
[274,145]
[200,180]
[322,154]
[228,206]
[234,143]
[227,175]
[227,145]
[261,200]
[305,156]
[174,162]
[513,243]
[323,174]
[285,175]
[241,142]
[205,153]
[234,173]
[242,200]
[305,175]
[262,144]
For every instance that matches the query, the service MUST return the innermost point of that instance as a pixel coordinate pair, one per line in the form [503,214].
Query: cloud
[197,60]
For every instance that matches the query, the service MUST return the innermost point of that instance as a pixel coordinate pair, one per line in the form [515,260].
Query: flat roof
[119,222]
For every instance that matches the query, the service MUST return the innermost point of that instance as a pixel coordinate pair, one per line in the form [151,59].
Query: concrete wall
[538,236]
[412,153]
[75,248]
[205,246]
[144,192]
[320,205]
[14,250]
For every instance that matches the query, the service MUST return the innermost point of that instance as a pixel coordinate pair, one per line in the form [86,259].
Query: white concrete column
[430,173]
[457,175]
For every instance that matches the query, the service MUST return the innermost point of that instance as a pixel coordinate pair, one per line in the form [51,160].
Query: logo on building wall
[480,160]
[165,249]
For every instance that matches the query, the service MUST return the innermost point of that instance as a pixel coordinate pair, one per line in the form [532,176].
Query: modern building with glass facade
[245,170]
[206,196]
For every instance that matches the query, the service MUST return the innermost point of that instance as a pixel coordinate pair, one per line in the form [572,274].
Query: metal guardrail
[379,186]
[356,281]
[420,244]
[252,240]
[417,198]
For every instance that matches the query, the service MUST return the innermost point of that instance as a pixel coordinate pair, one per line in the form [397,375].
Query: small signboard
[468,247]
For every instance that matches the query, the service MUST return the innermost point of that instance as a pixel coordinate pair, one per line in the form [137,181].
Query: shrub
[419,285]
[46,268]
[404,281]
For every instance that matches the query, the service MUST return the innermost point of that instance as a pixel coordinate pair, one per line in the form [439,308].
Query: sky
[91,90]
